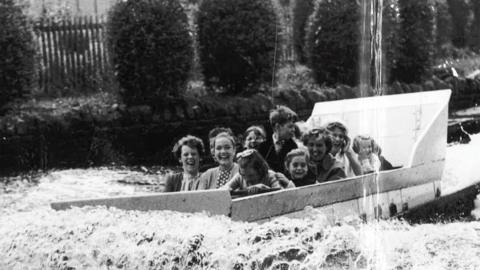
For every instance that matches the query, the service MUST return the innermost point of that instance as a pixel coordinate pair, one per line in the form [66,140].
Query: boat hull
[373,195]
[418,145]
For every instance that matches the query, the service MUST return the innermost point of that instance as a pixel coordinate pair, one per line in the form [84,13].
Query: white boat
[412,131]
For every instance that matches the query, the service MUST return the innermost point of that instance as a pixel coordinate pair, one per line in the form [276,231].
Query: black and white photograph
[239,134]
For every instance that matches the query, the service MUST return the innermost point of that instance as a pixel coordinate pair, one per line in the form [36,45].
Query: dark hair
[336,124]
[318,134]
[298,132]
[191,141]
[258,130]
[281,115]
[251,158]
[356,144]
[296,153]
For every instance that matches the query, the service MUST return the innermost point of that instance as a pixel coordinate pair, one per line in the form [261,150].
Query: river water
[32,236]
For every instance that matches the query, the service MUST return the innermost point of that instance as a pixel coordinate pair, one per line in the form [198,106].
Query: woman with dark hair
[254,175]
[188,151]
[342,150]
[322,164]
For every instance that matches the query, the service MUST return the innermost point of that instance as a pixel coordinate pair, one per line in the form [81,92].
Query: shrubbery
[150,49]
[443,24]
[301,12]
[333,38]
[415,41]
[17,59]
[459,11]
[475,26]
[390,38]
[236,43]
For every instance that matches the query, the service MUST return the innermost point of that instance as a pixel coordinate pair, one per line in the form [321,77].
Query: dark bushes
[236,43]
[17,58]
[332,42]
[459,11]
[301,12]
[150,49]
[475,26]
[415,41]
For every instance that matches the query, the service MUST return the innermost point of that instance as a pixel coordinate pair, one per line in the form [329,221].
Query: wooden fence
[73,55]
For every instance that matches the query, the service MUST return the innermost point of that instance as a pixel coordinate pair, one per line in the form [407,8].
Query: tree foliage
[17,60]
[237,41]
[301,11]
[415,41]
[150,48]
[333,38]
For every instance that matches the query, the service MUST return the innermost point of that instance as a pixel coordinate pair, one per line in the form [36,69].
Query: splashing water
[34,236]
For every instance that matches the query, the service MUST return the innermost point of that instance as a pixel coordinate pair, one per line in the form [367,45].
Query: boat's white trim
[216,202]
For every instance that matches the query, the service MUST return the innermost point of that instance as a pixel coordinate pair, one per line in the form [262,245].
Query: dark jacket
[329,169]
[276,160]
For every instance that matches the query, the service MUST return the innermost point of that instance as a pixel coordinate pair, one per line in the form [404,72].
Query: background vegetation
[150,49]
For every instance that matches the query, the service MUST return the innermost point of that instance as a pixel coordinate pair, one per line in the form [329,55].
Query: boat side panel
[370,207]
[217,202]
[407,177]
[431,147]
[291,200]
[286,201]
[418,195]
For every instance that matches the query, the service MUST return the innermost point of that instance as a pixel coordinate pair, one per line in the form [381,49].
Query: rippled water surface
[32,236]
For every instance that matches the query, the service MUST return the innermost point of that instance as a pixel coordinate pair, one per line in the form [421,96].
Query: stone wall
[142,135]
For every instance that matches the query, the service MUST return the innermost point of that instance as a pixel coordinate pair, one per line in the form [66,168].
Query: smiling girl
[188,151]
[223,147]
[322,164]
[296,164]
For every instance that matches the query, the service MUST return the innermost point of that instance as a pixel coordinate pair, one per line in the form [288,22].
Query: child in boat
[342,150]
[296,164]
[369,154]
[276,147]
[254,137]
[254,175]
[322,164]
[223,146]
[188,151]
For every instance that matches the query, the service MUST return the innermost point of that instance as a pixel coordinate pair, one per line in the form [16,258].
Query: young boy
[275,148]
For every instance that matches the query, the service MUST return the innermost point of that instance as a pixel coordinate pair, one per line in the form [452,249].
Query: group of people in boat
[286,159]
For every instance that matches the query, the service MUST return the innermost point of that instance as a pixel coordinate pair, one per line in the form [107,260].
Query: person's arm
[205,180]
[169,183]
[354,163]
[336,174]
[234,183]
[273,180]
[284,181]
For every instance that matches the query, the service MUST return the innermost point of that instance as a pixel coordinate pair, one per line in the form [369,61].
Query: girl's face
[298,167]
[252,141]
[224,151]
[365,148]
[190,159]
[338,139]
[250,175]
[317,149]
